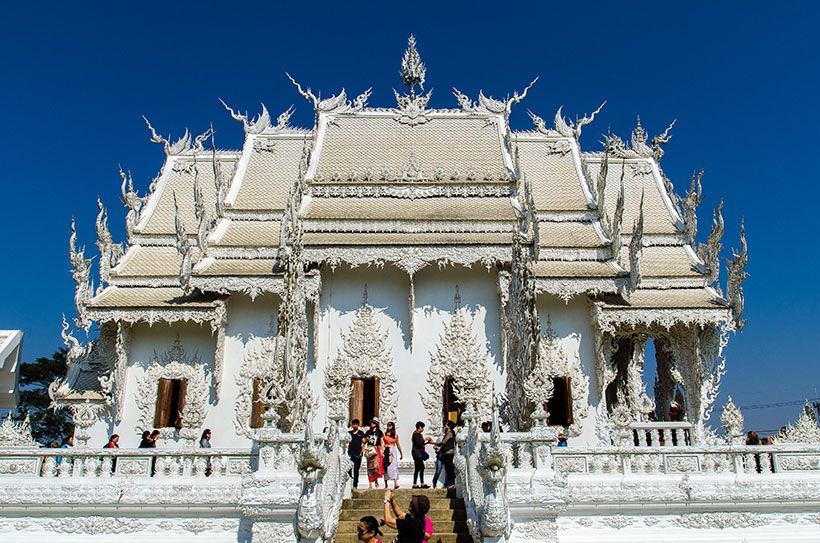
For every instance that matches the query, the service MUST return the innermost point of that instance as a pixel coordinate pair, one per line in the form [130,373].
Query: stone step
[439,526]
[377,503]
[437,538]
[436,515]
[401,493]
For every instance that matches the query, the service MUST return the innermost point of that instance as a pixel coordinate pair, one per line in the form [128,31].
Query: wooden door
[163,405]
[356,407]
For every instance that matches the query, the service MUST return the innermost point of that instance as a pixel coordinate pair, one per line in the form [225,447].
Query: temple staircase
[447,514]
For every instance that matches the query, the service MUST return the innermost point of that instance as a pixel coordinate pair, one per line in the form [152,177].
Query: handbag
[425,455]
[369,451]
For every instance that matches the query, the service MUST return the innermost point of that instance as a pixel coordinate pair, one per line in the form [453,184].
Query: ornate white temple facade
[409,263]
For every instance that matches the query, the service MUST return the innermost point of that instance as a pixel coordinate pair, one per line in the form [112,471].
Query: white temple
[409,263]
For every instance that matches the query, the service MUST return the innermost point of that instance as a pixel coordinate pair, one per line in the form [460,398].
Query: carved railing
[715,459]
[661,434]
[101,463]
[336,479]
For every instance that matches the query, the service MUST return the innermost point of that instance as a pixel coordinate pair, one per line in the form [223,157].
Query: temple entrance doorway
[559,405]
[364,400]
[453,409]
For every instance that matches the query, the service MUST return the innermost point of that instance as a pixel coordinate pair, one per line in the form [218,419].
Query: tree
[47,425]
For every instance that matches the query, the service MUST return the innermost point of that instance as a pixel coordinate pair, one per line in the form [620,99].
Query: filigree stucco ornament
[735,276]
[132,202]
[488,104]
[16,433]
[411,108]
[635,250]
[573,129]
[496,519]
[110,252]
[258,364]
[805,430]
[182,145]
[175,363]
[184,247]
[310,518]
[522,331]
[81,273]
[460,358]
[709,252]
[364,354]
[732,421]
[255,126]
[693,198]
[552,362]
[205,222]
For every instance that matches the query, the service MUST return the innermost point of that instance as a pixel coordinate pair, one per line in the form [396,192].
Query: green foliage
[47,425]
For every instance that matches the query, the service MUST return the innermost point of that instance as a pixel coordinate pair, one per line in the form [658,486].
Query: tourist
[154,438]
[354,450]
[439,468]
[368,527]
[411,525]
[113,443]
[562,438]
[68,444]
[752,438]
[675,412]
[419,455]
[373,452]
[392,455]
[205,443]
[448,452]
[145,441]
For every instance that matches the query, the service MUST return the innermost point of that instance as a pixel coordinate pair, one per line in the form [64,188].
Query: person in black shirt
[419,455]
[409,525]
[354,450]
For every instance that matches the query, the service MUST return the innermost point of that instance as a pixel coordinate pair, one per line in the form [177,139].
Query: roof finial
[457,298]
[412,68]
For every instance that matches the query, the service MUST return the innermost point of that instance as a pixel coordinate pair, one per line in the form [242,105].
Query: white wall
[248,321]
[388,291]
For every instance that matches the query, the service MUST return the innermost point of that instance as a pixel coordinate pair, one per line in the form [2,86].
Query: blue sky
[742,80]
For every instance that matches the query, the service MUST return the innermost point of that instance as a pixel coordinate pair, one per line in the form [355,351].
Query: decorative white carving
[553,362]
[460,358]
[732,421]
[16,434]
[175,363]
[184,247]
[735,276]
[110,252]
[182,145]
[573,130]
[567,289]
[259,364]
[709,252]
[364,354]
[804,431]
[412,108]
[81,273]
[487,255]
[694,197]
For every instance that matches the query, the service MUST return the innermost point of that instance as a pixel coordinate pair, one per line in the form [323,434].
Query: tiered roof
[411,186]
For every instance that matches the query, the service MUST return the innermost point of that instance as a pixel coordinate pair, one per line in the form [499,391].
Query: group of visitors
[753,438]
[148,440]
[382,451]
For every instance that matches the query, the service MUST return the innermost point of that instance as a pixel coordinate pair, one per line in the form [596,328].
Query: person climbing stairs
[447,514]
